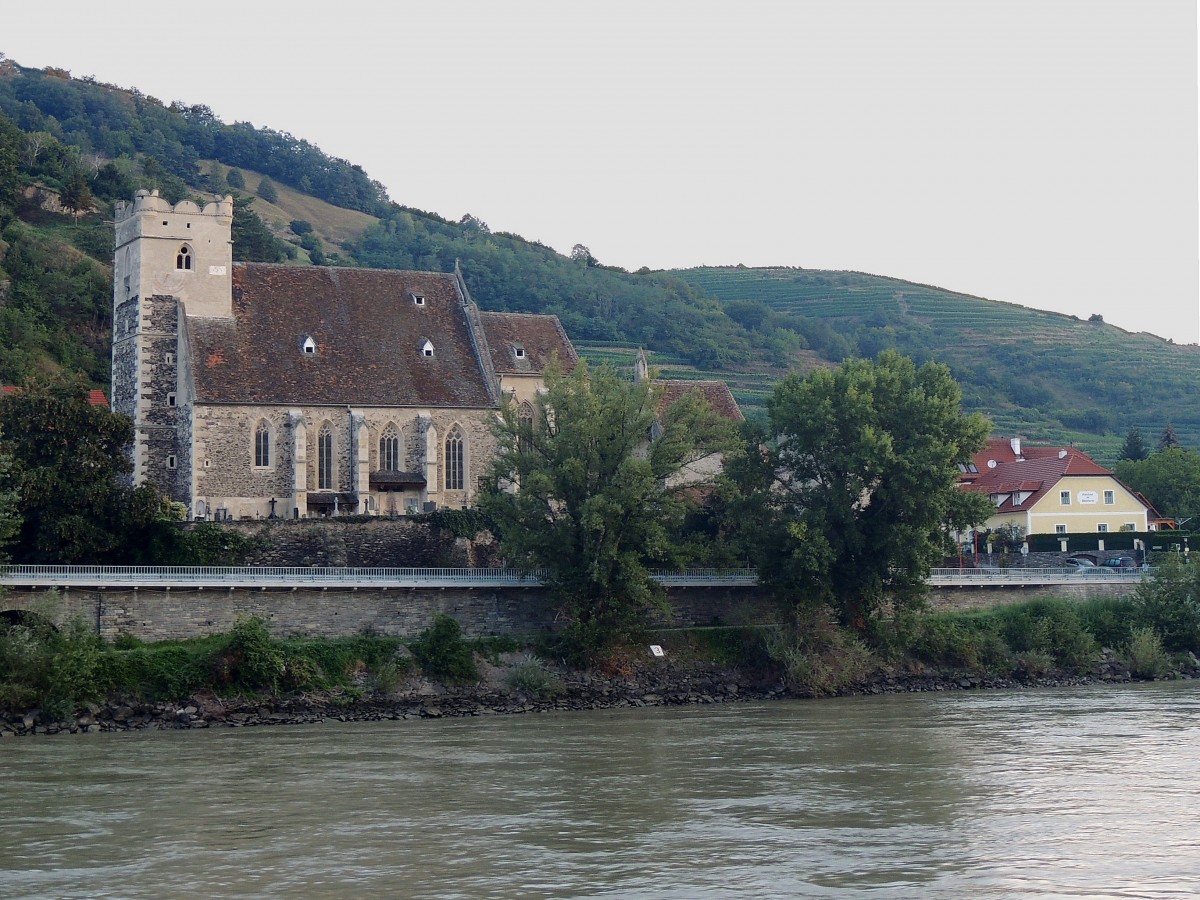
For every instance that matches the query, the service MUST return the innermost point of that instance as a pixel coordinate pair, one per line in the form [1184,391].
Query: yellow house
[1053,490]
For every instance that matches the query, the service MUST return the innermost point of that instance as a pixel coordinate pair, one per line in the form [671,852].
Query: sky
[1039,152]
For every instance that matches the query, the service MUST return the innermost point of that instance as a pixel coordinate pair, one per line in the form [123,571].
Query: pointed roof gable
[375,338]
[717,393]
[1029,474]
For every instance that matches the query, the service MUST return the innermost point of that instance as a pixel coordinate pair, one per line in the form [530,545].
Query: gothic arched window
[183,259]
[389,449]
[325,458]
[455,458]
[262,445]
[525,426]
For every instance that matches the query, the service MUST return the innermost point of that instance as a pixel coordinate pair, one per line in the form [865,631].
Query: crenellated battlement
[152,202]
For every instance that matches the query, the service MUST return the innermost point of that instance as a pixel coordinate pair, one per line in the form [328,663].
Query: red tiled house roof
[1025,477]
[368,330]
[94,397]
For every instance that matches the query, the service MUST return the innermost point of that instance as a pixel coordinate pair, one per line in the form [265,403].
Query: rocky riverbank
[578,691]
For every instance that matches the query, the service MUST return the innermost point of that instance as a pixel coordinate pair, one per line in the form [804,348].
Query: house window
[1128,526]
[1102,528]
[325,458]
[418,299]
[1064,497]
[171,399]
[309,346]
[455,458]
[427,349]
[389,450]
[183,259]
[1110,497]
[519,351]
[1060,529]
[262,445]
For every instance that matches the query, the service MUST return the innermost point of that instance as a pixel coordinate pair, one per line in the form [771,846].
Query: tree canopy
[851,501]
[67,466]
[576,491]
[1134,446]
[1170,479]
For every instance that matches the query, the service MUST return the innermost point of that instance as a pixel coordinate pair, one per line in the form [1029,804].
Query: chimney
[1015,443]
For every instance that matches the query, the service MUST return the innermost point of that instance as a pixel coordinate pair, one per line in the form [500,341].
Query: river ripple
[1089,792]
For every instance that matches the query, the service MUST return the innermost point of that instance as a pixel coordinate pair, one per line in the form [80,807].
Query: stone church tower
[168,261]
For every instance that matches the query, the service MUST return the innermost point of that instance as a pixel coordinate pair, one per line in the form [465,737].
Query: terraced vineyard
[1047,376]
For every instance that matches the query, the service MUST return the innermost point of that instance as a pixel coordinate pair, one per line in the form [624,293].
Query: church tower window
[325,458]
[455,458]
[183,259]
[525,426]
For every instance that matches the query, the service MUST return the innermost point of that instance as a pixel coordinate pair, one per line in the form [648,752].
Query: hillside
[1045,376]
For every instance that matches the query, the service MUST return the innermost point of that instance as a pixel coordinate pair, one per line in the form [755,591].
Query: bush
[819,658]
[1170,604]
[1147,658]
[444,654]
[56,670]
[531,677]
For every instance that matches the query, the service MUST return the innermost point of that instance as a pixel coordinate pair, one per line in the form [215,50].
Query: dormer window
[309,346]
[418,299]
[183,259]
[427,348]
[519,351]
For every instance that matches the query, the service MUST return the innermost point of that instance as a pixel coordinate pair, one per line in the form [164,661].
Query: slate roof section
[368,333]
[717,393]
[537,335]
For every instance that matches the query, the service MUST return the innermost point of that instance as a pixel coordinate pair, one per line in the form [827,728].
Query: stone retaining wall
[154,615]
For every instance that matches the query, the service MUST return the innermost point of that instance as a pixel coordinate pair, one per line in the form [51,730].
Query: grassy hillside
[1047,376]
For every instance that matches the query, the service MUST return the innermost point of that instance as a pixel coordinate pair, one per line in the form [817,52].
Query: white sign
[216,270]
[657,650]
[1089,497]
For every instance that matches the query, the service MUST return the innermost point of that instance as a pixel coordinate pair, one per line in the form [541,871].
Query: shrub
[443,653]
[819,658]
[54,669]
[1170,604]
[252,658]
[1147,658]
[531,677]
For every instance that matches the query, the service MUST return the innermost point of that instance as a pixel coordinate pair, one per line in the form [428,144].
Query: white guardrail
[321,577]
[283,577]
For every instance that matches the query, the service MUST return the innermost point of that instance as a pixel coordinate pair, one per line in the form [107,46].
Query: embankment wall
[153,615]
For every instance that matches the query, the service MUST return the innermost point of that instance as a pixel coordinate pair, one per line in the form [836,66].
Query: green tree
[1168,439]
[12,142]
[235,179]
[76,195]
[252,240]
[10,520]
[1170,479]
[67,464]
[1134,447]
[595,508]
[267,191]
[853,502]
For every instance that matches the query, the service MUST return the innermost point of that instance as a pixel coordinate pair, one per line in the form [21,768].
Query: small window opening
[164,221]
[206,464]
[189,224]
[171,461]
[1102,528]
[418,299]
[169,359]
[520,351]
[171,399]
[427,349]
[310,346]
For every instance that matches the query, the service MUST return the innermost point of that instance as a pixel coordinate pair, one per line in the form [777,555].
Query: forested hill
[69,148]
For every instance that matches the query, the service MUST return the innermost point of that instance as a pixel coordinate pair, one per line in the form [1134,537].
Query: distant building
[94,397]
[1053,490]
[259,390]
[715,393]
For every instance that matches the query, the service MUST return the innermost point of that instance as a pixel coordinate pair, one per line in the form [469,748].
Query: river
[1086,792]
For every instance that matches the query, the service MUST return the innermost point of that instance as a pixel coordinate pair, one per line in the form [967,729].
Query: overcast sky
[1041,152]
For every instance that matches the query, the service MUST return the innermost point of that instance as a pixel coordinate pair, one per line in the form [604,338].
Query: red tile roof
[368,332]
[538,336]
[94,397]
[717,394]
[1036,470]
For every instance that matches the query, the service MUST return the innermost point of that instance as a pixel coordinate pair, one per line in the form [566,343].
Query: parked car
[1119,562]
[1078,562]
